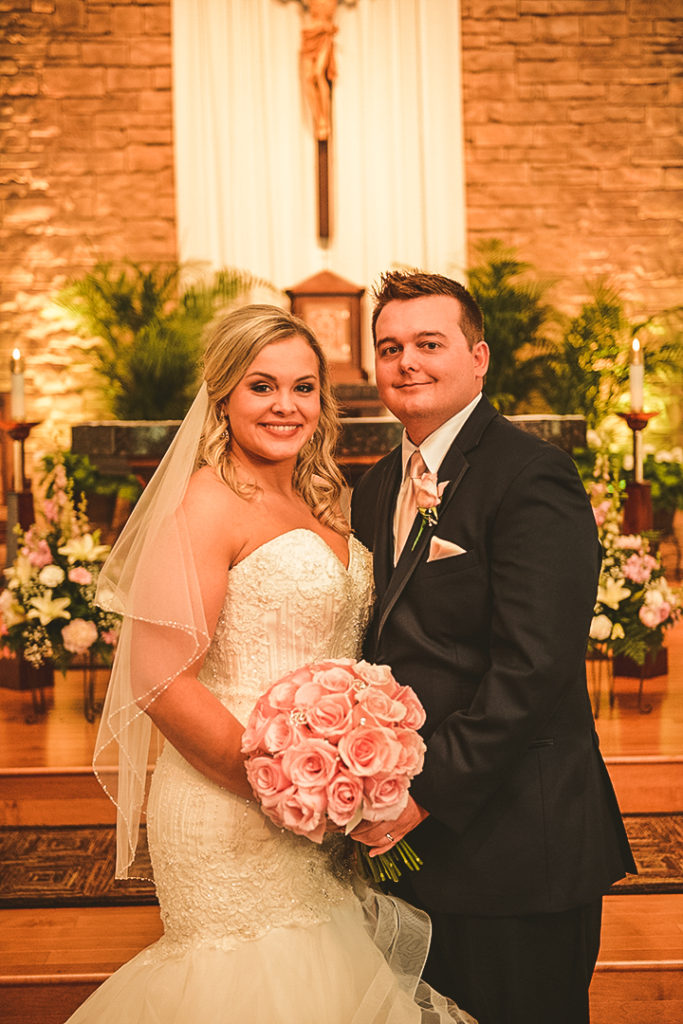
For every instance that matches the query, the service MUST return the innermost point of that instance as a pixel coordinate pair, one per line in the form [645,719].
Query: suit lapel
[453,468]
[383,545]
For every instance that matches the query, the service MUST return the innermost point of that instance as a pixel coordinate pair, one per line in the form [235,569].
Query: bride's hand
[381,836]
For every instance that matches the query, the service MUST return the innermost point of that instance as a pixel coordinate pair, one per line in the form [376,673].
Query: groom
[484,609]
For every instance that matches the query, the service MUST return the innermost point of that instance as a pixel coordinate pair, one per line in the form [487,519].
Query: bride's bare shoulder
[208,498]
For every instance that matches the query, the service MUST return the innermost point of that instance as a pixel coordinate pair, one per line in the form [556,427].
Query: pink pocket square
[439,548]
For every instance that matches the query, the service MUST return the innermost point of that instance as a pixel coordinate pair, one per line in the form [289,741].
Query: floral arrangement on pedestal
[48,613]
[635,604]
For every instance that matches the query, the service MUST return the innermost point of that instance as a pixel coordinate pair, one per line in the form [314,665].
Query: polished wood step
[53,796]
[52,959]
[647,783]
[73,796]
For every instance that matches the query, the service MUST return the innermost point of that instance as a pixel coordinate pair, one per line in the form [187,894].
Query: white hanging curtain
[246,153]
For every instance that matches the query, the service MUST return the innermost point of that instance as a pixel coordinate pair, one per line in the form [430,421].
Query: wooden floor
[51,959]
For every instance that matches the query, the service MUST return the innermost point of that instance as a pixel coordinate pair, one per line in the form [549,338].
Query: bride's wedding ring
[390,837]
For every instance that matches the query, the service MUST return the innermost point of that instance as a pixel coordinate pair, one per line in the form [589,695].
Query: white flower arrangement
[635,604]
[48,613]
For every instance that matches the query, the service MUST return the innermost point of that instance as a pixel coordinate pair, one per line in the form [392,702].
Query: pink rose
[385,798]
[344,797]
[110,636]
[411,758]
[252,736]
[336,679]
[300,811]
[309,694]
[266,777]
[428,491]
[310,764]
[381,706]
[79,574]
[281,694]
[368,750]
[415,714]
[79,635]
[331,716]
[378,676]
[279,733]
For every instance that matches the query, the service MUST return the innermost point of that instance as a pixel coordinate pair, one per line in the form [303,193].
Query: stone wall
[86,169]
[574,150]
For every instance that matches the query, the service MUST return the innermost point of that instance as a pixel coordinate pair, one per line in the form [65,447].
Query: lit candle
[636,376]
[17,403]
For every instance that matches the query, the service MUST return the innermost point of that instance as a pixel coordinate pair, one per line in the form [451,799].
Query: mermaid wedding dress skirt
[262,926]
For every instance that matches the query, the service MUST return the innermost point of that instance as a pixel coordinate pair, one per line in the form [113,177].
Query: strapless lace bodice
[224,873]
[288,603]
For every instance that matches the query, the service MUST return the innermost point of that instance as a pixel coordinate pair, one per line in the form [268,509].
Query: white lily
[47,608]
[19,574]
[612,592]
[84,549]
[11,611]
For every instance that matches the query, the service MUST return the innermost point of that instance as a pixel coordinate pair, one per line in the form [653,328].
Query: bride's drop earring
[225,436]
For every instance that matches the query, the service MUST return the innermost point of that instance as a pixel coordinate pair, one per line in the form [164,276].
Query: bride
[236,567]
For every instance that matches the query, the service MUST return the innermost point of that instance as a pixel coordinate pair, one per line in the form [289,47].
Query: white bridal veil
[150,579]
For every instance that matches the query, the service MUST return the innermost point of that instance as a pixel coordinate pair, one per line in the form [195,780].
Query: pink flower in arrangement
[40,555]
[601,512]
[50,510]
[79,574]
[79,635]
[110,637]
[334,742]
[638,568]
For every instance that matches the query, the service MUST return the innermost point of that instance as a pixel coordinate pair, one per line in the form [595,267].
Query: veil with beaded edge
[150,579]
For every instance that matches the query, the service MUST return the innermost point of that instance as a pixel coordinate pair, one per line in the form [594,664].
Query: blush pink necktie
[407,509]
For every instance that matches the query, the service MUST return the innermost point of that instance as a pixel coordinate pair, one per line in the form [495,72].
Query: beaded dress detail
[262,926]
[224,873]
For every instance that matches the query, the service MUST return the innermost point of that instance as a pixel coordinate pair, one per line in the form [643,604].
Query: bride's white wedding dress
[261,926]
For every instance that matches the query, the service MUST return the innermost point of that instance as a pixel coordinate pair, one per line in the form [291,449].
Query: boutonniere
[427,491]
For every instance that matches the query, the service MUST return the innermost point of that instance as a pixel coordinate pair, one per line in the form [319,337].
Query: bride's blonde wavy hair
[233,342]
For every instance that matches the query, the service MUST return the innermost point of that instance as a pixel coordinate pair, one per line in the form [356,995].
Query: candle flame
[16,354]
[636,345]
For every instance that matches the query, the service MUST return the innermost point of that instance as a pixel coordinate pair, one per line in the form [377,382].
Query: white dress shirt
[433,450]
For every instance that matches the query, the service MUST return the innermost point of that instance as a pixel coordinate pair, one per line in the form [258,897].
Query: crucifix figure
[318,69]
[318,72]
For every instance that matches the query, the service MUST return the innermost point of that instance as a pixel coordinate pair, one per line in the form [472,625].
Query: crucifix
[318,71]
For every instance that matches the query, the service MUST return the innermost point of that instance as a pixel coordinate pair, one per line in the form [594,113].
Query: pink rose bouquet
[335,743]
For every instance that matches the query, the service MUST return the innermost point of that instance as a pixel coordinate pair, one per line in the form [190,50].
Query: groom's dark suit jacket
[523,817]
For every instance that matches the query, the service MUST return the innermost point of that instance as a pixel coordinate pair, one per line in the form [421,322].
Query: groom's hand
[380,836]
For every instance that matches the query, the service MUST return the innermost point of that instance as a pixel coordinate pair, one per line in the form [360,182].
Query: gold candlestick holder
[19,499]
[638,506]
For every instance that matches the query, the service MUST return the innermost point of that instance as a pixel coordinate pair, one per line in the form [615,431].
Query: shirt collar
[435,446]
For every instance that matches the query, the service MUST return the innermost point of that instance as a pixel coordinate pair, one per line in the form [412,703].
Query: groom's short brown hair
[402,285]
